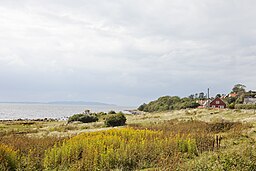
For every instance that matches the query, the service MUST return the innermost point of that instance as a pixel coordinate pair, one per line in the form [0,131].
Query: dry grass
[185,130]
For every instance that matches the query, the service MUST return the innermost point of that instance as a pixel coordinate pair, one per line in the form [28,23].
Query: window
[217,102]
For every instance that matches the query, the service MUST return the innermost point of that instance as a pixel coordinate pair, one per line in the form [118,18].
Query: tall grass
[7,158]
[242,157]
[25,153]
[168,145]
[125,149]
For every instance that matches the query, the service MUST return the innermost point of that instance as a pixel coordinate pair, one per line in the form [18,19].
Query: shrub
[115,120]
[245,106]
[141,107]
[112,112]
[7,158]
[224,126]
[85,118]
[231,106]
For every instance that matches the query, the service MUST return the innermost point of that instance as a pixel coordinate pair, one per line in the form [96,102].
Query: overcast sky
[124,52]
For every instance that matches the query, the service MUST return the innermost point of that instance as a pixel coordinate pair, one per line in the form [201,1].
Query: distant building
[231,95]
[203,103]
[206,103]
[218,103]
[249,100]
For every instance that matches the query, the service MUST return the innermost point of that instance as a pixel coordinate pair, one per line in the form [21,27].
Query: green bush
[231,106]
[112,112]
[115,120]
[85,118]
[141,107]
[245,106]
[7,158]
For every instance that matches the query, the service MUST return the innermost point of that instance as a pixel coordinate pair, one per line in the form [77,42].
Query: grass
[197,139]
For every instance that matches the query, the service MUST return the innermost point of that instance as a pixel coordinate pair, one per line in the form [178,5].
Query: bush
[112,112]
[85,118]
[245,106]
[7,158]
[141,107]
[115,120]
[231,106]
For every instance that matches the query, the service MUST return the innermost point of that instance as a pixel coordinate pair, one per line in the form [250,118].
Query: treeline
[168,103]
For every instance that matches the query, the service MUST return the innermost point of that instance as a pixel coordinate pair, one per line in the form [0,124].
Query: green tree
[239,89]
[112,112]
[142,107]
[191,96]
[218,95]
[201,95]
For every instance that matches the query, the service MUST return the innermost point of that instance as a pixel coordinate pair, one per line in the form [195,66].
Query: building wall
[218,103]
[249,100]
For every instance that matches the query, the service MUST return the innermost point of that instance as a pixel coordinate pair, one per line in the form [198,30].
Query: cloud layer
[124,52]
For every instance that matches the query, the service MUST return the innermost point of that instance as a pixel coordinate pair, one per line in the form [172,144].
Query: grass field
[196,139]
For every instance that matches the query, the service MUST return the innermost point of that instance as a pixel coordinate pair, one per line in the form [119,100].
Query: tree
[239,89]
[218,95]
[142,107]
[196,96]
[191,96]
[112,112]
[231,100]
[201,95]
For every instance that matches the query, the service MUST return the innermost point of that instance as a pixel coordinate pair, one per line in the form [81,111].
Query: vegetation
[85,118]
[236,101]
[112,112]
[131,148]
[189,139]
[115,120]
[168,103]
[7,158]
[245,106]
[233,101]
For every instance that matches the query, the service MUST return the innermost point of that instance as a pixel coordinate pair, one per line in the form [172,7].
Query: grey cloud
[124,52]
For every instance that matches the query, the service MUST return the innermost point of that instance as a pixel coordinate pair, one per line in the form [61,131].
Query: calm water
[57,111]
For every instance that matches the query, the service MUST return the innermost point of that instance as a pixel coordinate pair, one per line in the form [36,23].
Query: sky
[124,52]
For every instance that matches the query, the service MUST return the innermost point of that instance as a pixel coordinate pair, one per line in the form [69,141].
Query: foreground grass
[178,140]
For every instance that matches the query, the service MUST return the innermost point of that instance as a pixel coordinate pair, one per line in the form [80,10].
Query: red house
[218,103]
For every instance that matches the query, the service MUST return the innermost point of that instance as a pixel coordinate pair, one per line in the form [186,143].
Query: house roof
[232,95]
[219,99]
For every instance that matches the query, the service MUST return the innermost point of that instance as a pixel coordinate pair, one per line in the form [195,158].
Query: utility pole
[208,98]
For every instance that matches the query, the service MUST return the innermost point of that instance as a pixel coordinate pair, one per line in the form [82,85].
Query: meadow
[196,139]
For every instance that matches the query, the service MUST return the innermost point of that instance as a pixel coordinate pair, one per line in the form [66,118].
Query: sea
[11,111]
